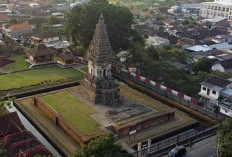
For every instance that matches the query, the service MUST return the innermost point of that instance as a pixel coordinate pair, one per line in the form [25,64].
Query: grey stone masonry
[99,85]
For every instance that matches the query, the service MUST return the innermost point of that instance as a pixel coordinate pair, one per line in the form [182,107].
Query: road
[204,148]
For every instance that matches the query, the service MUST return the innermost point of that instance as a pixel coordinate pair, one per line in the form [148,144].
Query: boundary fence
[171,94]
[187,138]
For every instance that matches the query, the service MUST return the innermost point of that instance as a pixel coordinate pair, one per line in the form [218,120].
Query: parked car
[178,151]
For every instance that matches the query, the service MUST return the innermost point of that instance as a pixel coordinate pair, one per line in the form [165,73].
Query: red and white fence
[162,87]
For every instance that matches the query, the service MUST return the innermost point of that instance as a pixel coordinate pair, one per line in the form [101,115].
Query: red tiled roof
[40,50]
[16,137]
[15,148]
[38,150]
[135,12]
[19,26]
[10,123]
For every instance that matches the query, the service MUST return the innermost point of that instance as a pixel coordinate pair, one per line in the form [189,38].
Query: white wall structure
[218,8]
[218,67]
[210,93]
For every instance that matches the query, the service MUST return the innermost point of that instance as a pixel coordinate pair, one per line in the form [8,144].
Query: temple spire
[100,47]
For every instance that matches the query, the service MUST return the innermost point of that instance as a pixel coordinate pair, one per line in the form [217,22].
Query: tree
[166,74]
[52,20]
[103,146]
[225,138]
[82,20]
[2,49]
[3,151]
[12,21]
[46,26]
[203,64]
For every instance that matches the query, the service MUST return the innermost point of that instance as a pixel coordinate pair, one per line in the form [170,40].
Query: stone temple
[99,85]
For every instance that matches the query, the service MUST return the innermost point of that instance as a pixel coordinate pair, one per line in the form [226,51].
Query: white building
[34,5]
[58,15]
[218,8]
[212,87]
[157,41]
[223,66]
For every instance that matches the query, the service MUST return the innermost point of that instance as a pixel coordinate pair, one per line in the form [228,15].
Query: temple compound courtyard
[73,116]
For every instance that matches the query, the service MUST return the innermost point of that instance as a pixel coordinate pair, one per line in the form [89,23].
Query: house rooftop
[40,50]
[19,26]
[66,55]
[10,123]
[222,46]
[198,48]
[216,81]
[216,19]
[226,64]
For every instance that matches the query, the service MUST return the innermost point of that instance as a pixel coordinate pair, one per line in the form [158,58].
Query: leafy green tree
[3,151]
[12,21]
[203,64]
[52,20]
[2,49]
[46,26]
[80,51]
[103,146]
[82,20]
[166,74]
[153,52]
[225,138]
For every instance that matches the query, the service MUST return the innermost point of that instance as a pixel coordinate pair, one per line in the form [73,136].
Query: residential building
[214,22]
[40,54]
[212,87]
[58,15]
[223,66]
[190,8]
[45,37]
[66,58]
[222,38]
[15,31]
[218,8]
[17,140]
[157,41]
[34,5]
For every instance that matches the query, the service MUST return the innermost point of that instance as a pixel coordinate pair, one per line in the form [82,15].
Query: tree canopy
[103,146]
[225,138]
[203,64]
[52,20]
[82,20]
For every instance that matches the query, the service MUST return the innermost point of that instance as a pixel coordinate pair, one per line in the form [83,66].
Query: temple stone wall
[124,130]
[60,121]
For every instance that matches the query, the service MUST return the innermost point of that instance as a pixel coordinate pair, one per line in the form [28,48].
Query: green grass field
[73,110]
[20,64]
[85,69]
[36,76]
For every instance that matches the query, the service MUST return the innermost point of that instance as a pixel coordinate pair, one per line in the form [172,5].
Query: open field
[20,64]
[85,69]
[73,110]
[35,77]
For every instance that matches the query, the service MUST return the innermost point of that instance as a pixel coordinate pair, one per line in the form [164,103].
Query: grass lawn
[36,76]
[85,69]
[73,110]
[138,97]
[20,64]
